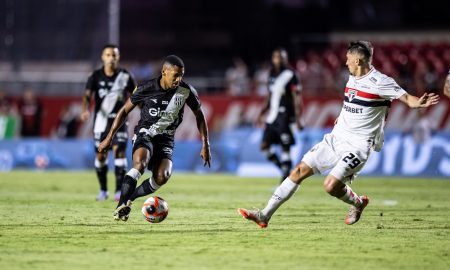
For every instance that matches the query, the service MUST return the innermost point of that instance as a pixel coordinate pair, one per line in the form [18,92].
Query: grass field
[51,221]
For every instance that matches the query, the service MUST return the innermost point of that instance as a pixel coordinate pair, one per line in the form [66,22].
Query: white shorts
[345,159]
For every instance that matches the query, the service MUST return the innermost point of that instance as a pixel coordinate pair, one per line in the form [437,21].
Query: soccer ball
[155,209]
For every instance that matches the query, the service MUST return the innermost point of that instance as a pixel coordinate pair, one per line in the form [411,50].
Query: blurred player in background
[281,111]
[161,101]
[110,86]
[447,85]
[357,132]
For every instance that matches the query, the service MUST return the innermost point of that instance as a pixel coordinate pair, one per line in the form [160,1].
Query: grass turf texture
[51,221]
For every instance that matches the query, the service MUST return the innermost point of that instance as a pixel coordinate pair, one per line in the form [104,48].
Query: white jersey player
[358,132]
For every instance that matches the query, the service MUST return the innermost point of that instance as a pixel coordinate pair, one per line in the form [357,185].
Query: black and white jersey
[110,95]
[162,110]
[282,85]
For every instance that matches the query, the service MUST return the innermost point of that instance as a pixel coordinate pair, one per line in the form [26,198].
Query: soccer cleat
[117,196]
[354,214]
[122,212]
[102,196]
[255,216]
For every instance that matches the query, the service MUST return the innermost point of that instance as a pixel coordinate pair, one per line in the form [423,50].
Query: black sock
[128,187]
[274,159]
[144,189]
[120,174]
[286,167]
[102,179]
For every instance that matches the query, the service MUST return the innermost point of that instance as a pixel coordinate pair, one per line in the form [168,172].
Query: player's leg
[266,149]
[141,158]
[287,140]
[120,167]
[161,173]
[282,193]
[335,183]
[320,158]
[286,161]
[101,169]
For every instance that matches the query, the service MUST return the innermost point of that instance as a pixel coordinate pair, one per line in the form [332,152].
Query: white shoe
[102,196]
[117,196]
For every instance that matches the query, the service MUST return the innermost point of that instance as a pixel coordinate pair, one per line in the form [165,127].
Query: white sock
[153,184]
[99,164]
[351,197]
[281,194]
[121,162]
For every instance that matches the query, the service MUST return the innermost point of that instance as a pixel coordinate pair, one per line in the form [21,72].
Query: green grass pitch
[49,220]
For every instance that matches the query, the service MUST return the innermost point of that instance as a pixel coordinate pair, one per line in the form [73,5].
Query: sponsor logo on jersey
[352,110]
[157,112]
[154,100]
[372,79]
[165,102]
[352,94]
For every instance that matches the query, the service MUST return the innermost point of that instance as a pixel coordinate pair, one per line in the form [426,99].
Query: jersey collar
[367,74]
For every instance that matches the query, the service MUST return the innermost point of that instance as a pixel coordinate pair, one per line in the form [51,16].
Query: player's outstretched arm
[426,100]
[118,122]
[202,126]
[84,116]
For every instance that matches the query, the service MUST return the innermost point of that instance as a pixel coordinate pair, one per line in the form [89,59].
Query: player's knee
[140,165]
[300,172]
[331,186]
[162,177]
[120,153]
[101,157]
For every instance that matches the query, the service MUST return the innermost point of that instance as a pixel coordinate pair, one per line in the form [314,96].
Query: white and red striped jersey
[366,105]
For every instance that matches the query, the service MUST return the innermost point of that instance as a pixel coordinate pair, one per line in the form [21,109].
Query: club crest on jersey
[352,94]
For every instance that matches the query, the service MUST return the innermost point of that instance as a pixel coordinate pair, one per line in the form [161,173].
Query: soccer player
[357,132]
[447,85]
[161,101]
[281,111]
[110,86]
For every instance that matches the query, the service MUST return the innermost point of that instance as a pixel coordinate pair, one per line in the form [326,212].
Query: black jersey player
[161,101]
[110,86]
[281,111]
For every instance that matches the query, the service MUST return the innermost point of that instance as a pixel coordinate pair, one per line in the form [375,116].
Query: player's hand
[260,121]
[104,145]
[205,154]
[428,99]
[84,116]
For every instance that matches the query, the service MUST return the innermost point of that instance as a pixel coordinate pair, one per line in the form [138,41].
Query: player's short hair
[110,45]
[174,61]
[362,47]
[283,52]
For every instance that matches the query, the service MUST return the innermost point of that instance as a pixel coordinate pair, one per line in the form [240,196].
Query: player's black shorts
[121,138]
[278,134]
[160,147]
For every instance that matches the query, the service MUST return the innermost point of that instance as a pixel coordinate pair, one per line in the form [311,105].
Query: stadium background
[49,49]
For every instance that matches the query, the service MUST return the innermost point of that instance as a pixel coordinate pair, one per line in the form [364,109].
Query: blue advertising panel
[238,152]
